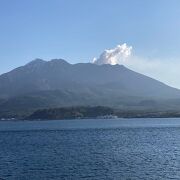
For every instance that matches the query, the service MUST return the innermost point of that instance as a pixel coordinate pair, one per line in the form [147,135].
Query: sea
[90,149]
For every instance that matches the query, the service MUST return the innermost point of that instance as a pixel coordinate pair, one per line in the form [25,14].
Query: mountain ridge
[57,83]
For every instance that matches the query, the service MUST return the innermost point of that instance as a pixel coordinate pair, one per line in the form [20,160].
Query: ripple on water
[117,153]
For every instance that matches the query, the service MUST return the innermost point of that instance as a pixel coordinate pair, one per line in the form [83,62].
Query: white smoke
[114,56]
[164,70]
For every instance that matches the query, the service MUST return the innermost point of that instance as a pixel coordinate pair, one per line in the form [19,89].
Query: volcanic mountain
[57,83]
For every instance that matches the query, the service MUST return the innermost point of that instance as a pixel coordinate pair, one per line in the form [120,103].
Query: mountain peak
[36,61]
[62,61]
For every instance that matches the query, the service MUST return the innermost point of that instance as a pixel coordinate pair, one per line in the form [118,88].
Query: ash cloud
[163,69]
[117,55]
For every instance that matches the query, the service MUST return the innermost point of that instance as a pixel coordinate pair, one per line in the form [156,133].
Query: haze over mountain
[57,83]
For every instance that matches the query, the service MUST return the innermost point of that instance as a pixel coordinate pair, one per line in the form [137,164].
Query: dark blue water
[90,149]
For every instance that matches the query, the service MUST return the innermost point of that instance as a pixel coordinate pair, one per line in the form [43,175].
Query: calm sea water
[90,149]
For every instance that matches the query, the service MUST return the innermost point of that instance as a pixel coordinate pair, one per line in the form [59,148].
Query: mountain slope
[56,83]
[56,74]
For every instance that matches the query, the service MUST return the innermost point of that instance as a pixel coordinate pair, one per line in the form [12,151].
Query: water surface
[90,149]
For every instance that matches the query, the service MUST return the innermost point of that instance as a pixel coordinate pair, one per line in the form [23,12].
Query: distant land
[96,112]
[41,85]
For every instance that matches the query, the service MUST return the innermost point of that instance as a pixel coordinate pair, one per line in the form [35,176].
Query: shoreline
[84,119]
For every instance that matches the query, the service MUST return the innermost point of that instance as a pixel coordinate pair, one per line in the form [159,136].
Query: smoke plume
[114,56]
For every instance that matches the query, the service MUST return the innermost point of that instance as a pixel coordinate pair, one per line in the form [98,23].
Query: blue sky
[78,30]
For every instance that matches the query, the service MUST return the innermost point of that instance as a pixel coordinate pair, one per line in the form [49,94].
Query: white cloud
[114,56]
[165,70]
